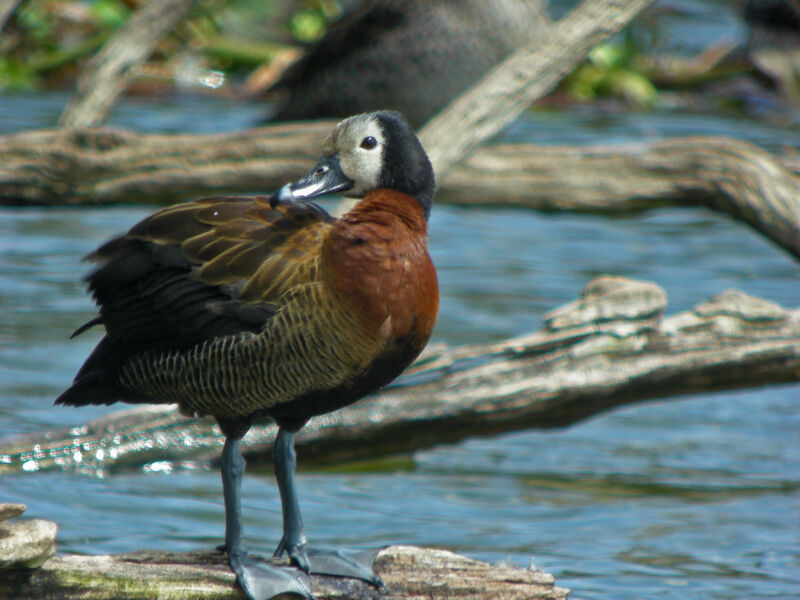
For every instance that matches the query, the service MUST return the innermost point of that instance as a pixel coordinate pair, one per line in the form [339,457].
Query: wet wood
[108,73]
[105,166]
[408,573]
[613,346]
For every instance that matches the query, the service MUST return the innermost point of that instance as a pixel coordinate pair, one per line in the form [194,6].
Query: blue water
[697,496]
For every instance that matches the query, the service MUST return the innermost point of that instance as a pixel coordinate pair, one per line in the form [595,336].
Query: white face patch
[360,161]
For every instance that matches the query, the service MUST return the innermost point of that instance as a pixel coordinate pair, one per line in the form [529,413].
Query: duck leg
[258,580]
[322,561]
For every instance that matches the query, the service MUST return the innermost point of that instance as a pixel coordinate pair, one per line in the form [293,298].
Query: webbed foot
[321,560]
[317,560]
[260,580]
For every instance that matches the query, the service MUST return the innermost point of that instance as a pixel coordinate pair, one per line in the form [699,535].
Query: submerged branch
[611,347]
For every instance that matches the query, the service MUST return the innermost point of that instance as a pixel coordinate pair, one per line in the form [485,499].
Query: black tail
[95,383]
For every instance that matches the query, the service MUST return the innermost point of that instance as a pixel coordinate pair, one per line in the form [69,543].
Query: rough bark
[108,74]
[409,573]
[613,346]
[106,166]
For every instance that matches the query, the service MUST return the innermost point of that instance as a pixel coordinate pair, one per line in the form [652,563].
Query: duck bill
[325,178]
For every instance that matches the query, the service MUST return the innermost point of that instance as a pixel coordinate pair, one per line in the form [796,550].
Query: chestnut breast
[378,262]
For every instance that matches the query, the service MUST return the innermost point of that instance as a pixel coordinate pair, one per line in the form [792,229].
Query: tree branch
[613,346]
[723,174]
[7,8]
[106,166]
[529,73]
[107,75]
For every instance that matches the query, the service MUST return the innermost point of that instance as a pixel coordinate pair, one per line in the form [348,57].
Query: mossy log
[613,346]
[408,573]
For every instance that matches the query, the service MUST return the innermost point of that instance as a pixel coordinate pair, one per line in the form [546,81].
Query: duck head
[365,153]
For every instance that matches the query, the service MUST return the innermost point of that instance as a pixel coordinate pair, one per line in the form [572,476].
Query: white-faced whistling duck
[246,307]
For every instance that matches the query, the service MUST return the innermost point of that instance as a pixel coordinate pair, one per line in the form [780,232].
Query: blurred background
[688,497]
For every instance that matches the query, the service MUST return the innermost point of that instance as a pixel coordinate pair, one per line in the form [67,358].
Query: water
[692,497]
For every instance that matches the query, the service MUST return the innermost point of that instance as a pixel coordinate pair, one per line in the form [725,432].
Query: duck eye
[369,142]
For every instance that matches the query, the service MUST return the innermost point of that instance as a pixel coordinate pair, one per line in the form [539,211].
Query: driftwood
[107,75]
[107,166]
[726,175]
[409,573]
[611,347]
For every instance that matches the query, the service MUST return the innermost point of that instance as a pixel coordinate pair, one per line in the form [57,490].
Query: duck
[414,57]
[252,307]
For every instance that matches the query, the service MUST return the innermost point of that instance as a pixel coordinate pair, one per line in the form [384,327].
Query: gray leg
[294,537]
[323,561]
[258,580]
[232,471]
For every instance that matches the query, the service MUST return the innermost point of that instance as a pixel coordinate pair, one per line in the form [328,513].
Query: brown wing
[203,269]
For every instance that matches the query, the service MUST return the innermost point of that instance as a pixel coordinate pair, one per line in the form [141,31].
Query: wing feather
[203,269]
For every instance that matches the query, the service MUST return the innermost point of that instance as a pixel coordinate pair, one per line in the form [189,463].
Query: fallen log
[728,176]
[613,346]
[528,74]
[28,571]
[104,166]
[408,573]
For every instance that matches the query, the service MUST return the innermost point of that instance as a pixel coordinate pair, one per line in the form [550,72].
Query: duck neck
[388,208]
[376,258]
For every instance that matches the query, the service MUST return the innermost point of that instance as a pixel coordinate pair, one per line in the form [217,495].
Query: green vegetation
[45,42]
[613,69]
